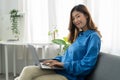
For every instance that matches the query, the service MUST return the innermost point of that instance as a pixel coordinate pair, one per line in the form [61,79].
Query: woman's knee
[51,77]
[29,69]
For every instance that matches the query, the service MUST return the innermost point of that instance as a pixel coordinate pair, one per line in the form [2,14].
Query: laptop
[37,61]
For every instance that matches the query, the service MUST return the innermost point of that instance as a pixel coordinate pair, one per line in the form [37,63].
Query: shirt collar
[87,32]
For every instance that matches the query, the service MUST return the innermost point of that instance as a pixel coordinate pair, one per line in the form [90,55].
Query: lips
[77,24]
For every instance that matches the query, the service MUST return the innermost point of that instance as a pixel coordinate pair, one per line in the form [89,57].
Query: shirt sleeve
[84,66]
[58,58]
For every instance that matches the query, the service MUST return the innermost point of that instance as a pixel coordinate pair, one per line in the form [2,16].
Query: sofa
[107,68]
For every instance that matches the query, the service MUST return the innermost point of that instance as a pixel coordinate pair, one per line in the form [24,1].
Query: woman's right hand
[53,63]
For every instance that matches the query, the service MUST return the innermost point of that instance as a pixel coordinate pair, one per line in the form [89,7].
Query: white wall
[5,33]
[5,7]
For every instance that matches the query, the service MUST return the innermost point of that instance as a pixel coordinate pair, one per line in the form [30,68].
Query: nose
[74,21]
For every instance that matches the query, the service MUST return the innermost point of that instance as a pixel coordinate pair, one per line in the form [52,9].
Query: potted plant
[64,44]
[14,17]
[53,33]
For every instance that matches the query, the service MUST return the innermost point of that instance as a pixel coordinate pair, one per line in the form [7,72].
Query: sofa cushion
[107,68]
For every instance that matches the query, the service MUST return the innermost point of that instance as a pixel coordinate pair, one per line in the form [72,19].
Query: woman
[80,57]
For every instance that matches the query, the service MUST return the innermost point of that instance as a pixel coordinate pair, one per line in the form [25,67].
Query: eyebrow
[75,15]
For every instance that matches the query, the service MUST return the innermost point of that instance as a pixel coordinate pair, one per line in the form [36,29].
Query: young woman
[80,57]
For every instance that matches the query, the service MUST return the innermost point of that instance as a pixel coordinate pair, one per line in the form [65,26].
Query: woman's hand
[53,63]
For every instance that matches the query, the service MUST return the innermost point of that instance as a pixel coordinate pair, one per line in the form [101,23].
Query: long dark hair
[73,29]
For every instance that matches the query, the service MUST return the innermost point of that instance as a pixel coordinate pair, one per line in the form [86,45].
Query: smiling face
[79,20]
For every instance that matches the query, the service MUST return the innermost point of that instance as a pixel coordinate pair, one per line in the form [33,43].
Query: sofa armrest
[107,68]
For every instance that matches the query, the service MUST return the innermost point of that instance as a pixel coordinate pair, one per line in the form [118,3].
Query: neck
[84,28]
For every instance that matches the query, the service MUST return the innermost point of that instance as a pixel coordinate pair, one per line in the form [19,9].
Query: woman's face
[79,19]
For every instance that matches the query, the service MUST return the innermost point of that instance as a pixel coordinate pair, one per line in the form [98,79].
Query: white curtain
[44,15]
[63,8]
[106,16]
[37,23]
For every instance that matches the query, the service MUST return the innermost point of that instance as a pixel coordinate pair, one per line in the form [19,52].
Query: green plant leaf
[49,33]
[66,46]
[59,41]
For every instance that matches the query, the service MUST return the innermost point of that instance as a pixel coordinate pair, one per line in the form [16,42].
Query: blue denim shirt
[81,56]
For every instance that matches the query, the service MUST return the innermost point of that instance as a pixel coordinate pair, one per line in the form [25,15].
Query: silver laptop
[37,61]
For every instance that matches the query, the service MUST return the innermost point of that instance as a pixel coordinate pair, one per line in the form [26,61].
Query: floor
[2,76]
